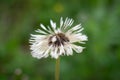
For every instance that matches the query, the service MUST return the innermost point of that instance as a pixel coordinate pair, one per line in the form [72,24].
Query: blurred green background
[99,61]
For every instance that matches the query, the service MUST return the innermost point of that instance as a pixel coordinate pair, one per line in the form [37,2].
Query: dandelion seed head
[54,42]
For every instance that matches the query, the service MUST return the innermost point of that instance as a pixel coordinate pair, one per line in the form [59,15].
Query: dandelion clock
[57,40]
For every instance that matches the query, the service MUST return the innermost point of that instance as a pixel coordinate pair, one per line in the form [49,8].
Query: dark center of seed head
[60,39]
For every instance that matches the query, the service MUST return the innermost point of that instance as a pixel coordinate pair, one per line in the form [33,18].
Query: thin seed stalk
[57,69]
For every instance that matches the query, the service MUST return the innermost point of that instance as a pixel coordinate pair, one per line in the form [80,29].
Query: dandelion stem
[57,69]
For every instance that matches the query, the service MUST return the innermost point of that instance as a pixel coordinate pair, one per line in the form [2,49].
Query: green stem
[57,69]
